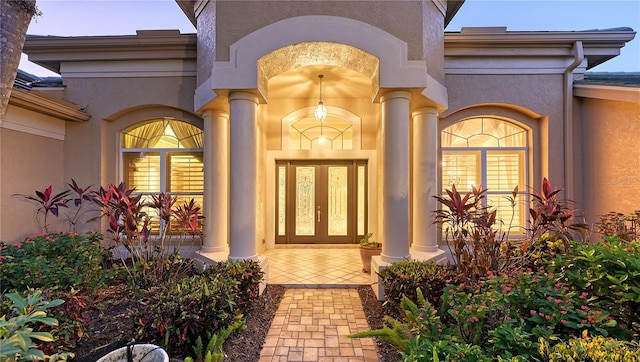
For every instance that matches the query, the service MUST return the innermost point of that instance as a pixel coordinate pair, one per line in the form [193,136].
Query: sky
[124,17]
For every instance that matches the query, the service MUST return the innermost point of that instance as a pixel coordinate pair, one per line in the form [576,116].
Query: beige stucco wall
[539,94]
[28,162]
[91,147]
[433,40]
[206,24]
[610,157]
[403,19]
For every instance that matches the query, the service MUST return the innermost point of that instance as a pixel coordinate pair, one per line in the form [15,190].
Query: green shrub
[214,352]
[405,277]
[17,334]
[53,261]
[599,349]
[506,314]
[70,317]
[626,227]
[246,276]
[180,312]
[610,271]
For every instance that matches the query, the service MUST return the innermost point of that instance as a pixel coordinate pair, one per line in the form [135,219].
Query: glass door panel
[317,202]
[338,210]
[305,199]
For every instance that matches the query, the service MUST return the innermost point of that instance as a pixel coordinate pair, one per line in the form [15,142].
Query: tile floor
[313,325]
[316,266]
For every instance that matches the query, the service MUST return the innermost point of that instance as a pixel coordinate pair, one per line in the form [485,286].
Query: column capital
[241,95]
[210,113]
[394,94]
[424,111]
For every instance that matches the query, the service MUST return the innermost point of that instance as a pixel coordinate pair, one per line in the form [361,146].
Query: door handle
[319,213]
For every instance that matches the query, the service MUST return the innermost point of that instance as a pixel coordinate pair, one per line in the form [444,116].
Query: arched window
[331,134]
[490,153]
[164,155]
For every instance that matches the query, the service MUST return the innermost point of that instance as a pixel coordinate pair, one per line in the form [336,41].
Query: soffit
[599,45]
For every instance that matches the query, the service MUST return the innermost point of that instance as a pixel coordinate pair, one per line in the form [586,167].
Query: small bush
[593,349]
[534,305]
[626,227]
[71,317]
[53,261]
[246,276]
[610,271]
[17,334]
[180,312]
[405,277]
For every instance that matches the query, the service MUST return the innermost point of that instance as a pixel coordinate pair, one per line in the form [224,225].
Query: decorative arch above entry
[242,72]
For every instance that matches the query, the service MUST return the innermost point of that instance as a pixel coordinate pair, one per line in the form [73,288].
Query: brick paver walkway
[313,324]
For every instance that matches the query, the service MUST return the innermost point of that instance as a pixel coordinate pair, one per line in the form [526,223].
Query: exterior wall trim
[241,72]
[606,92]
[41,103]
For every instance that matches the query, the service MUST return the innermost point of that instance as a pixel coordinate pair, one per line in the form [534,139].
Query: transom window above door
[489,153]
[331,134]
[165,155]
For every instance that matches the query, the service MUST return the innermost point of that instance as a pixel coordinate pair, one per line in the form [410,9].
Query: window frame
[523,190]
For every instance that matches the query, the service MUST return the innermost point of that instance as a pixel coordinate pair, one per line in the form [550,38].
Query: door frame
[267,233]
[321,201]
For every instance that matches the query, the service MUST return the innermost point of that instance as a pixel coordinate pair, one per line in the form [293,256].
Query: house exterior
[229,116]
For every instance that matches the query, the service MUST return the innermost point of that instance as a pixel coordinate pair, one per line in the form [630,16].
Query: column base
[264,265]
[377,265]
[439,255]
[203,259]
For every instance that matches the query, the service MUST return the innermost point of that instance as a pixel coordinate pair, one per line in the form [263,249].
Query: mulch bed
[112,322]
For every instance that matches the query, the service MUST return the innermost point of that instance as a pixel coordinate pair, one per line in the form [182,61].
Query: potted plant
[368,248]
[136,352]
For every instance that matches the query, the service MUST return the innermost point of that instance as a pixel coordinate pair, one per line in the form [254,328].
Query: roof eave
[39,102]
[49,51]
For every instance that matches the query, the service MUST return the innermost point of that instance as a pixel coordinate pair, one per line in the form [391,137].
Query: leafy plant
[552,224]
[368,242]
[179,312]
[472,232]
[479,243]
[592,349]
[70,316]
[81,197]
[48,203]
[404,278]
[53,261]
[626,227]
[610,271]
[213,352]
[17,334]
[246,276]
[537,305]
[131,227]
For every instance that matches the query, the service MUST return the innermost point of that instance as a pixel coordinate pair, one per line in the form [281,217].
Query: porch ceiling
[303,83]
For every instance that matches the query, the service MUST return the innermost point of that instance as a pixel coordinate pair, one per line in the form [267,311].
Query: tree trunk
[15,16]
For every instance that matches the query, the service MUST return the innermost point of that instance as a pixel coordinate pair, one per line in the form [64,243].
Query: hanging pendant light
[321,111]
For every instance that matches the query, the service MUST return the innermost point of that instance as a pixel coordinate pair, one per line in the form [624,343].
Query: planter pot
[366,253]
[139,353]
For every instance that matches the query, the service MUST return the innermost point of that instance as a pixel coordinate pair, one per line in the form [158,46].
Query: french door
[320,202]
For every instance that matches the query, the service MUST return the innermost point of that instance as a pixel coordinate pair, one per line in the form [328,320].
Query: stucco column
[425,179]
[395,180]
[242,187]
[216,183]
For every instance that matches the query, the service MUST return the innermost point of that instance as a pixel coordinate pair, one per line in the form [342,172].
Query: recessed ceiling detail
[306,54]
